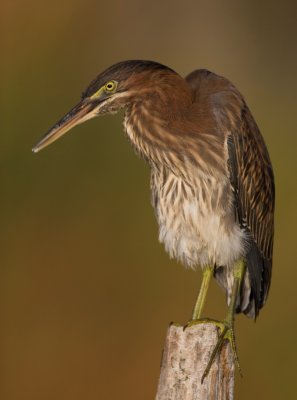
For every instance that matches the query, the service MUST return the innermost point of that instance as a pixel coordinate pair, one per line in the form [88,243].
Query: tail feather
[255,285]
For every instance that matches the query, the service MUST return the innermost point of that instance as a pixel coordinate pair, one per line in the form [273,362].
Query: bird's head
[113,89]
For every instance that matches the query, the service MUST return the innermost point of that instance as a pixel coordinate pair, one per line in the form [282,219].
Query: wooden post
[185,357]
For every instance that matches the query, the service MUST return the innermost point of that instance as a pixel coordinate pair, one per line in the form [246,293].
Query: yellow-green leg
[227,325]
[207,275]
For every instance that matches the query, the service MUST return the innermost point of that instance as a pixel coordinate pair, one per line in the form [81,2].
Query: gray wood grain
[184,360]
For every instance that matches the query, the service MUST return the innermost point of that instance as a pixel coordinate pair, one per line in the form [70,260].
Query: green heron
[211,177]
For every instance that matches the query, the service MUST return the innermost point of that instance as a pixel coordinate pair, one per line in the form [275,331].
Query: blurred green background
[86,290]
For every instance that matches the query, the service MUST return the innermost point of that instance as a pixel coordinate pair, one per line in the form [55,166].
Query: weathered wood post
[184,360]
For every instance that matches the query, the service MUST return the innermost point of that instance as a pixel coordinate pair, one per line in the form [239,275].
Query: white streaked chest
[196,222]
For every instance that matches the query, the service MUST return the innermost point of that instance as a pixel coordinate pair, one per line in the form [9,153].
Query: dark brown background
[86,291]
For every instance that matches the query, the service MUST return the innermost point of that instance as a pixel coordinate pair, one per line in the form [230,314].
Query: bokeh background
[86,290]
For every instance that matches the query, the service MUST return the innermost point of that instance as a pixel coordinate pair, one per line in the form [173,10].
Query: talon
[226,333]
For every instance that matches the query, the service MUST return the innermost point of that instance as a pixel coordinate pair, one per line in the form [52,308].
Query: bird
[212,182]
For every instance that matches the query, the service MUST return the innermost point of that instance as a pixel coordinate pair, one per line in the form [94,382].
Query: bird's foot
[226,329]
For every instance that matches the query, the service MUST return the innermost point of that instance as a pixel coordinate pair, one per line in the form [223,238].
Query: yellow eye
[110,86]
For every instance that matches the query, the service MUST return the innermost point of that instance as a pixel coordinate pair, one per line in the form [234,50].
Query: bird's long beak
[83,111]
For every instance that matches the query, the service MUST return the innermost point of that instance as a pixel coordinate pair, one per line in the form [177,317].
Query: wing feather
[250,174]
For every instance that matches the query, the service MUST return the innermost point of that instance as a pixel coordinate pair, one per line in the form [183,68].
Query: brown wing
[252,180]
[251,177]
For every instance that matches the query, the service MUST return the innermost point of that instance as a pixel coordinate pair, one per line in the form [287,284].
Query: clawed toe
[226,333]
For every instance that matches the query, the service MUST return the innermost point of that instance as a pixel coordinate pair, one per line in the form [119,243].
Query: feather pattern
[211,177]
[212,182]
[252,182]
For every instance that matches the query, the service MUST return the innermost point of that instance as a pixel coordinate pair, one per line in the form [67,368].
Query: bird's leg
[227,325]
[207,275]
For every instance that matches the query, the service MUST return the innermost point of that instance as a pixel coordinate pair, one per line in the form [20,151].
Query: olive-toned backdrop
[86,290]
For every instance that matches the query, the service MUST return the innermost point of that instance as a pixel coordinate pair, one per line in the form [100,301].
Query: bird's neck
[161,132]
[148,126]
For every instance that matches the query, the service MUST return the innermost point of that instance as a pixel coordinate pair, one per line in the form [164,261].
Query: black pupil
[109,86]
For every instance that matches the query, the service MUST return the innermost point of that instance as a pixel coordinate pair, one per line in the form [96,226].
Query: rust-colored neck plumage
[161,123]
